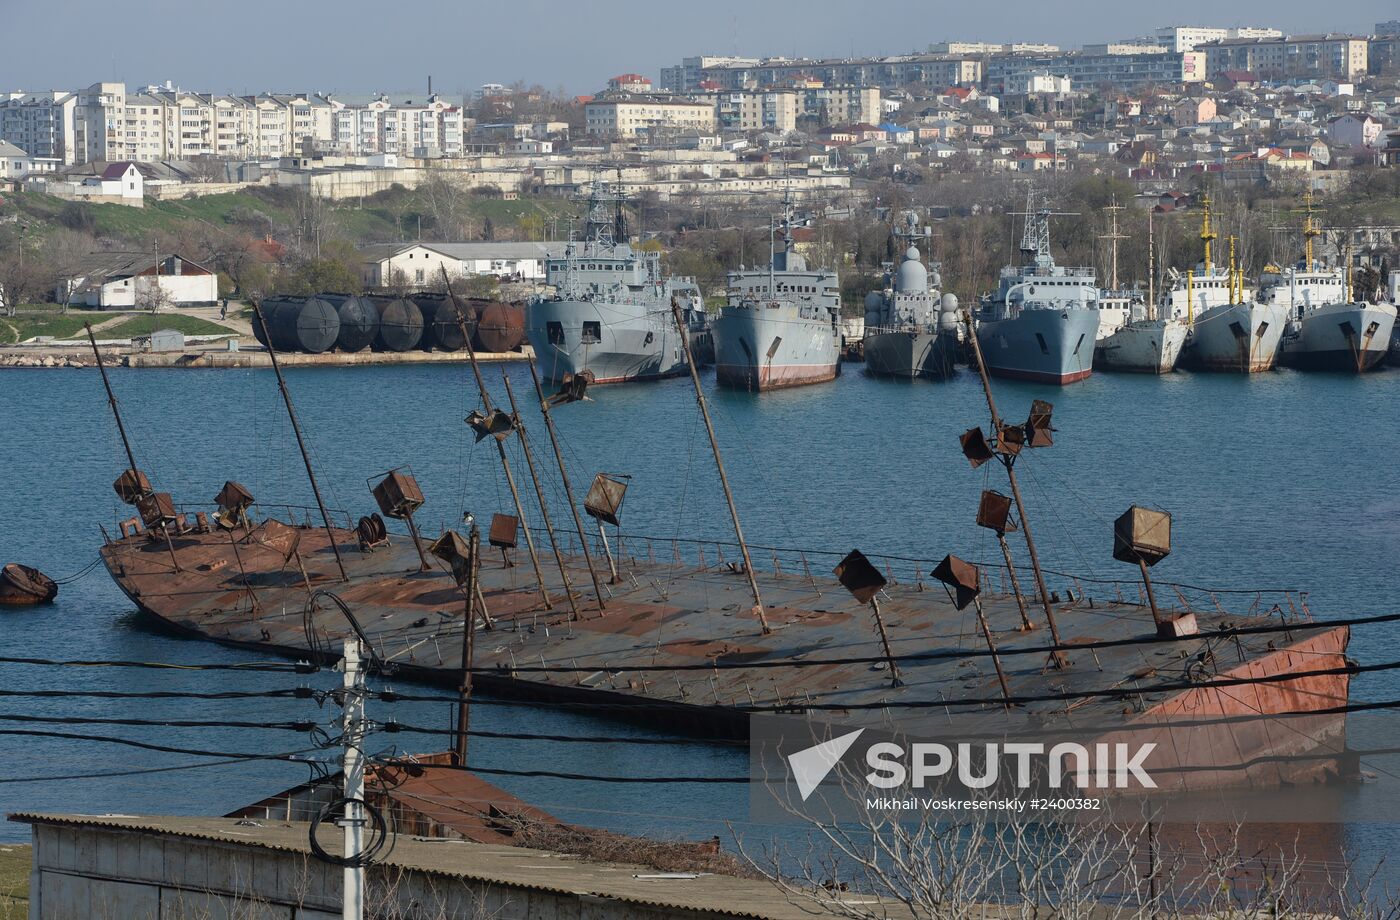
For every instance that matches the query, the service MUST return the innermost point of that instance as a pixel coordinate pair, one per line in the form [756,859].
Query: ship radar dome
[912,276]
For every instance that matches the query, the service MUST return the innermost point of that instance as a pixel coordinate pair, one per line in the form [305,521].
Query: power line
[301,667]
[143,745]
[114,774]
[304,726]
[300,693]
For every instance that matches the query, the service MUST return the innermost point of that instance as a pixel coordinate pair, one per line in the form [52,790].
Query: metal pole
[1059,658]
[564,476]
[500,445]
[417,543]
[607,550]
[112,401]
[539,494]
[301,443]
[1151,598]
[885,641]
[352,724]
[719,465]
[992,647]
[1015,582]
[464,688]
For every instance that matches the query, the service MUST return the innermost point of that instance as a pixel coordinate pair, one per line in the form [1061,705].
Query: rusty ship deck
[665,615]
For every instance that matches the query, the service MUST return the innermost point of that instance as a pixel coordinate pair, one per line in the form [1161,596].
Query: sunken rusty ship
[695,634]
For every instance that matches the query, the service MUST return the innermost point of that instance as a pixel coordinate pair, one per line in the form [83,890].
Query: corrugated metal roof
[508,866]
[477,249]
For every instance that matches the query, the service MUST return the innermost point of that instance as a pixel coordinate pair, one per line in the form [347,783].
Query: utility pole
[352,725]
[464,687]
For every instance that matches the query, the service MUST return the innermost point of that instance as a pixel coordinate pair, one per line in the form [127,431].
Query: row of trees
[978,221]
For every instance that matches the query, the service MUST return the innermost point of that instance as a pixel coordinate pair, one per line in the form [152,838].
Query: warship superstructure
[911,328]
[609,313]
[780,326]
[1042,322]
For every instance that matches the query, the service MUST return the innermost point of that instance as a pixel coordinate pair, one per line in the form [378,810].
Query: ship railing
[653,559]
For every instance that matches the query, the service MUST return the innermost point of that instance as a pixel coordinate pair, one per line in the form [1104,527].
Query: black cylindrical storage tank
[400,323]
[359,320]
[307,324]
[440,327]
[500,326]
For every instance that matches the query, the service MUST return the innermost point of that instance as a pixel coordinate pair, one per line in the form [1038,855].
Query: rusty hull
[667,615]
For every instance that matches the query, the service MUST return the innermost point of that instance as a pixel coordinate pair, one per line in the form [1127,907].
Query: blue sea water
[1276,480]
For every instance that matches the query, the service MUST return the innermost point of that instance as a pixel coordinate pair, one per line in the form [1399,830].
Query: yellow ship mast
[1232,272]
[1310,230]
[1207,235]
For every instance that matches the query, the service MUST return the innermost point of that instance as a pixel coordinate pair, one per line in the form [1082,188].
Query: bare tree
[446,197]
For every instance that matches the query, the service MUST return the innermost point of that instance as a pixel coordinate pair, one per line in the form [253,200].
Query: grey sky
[355,46]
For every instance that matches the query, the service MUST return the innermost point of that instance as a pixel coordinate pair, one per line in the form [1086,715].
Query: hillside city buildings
[1251,103]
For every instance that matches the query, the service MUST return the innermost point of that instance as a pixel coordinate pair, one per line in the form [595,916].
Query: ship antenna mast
[500,443]
[1113,236]
[1207,235]
[1008,461]
[1151,270]
[301,442]
[112,401]
[1310,230]
[719,465]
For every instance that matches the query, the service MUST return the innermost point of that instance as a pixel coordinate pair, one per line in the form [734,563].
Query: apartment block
[1087,72]
[686,76]
[1342,57]
[757,111]
[41,124]
[933,70]
[961,48]
[1188,38]
[629,116]
[107,123]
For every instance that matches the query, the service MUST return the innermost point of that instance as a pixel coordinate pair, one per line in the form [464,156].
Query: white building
[131,280]
[629,116]
[42,124]
[16,164]
[1353,131]
[1186,38]
[422,264]
[105,123]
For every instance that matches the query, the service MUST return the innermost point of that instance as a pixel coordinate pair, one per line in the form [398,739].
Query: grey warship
[609,313]
[910,330]
[781,326]
[1043,319]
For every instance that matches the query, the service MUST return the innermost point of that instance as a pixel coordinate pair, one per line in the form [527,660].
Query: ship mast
[301,443]
[112,401]
[1310,230]
[1207,235]
[719,465]
[1058,657]
[1151,270]
[1113,236]
[500,444]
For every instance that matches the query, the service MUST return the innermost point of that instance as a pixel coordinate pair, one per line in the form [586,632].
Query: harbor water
[1277,480]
